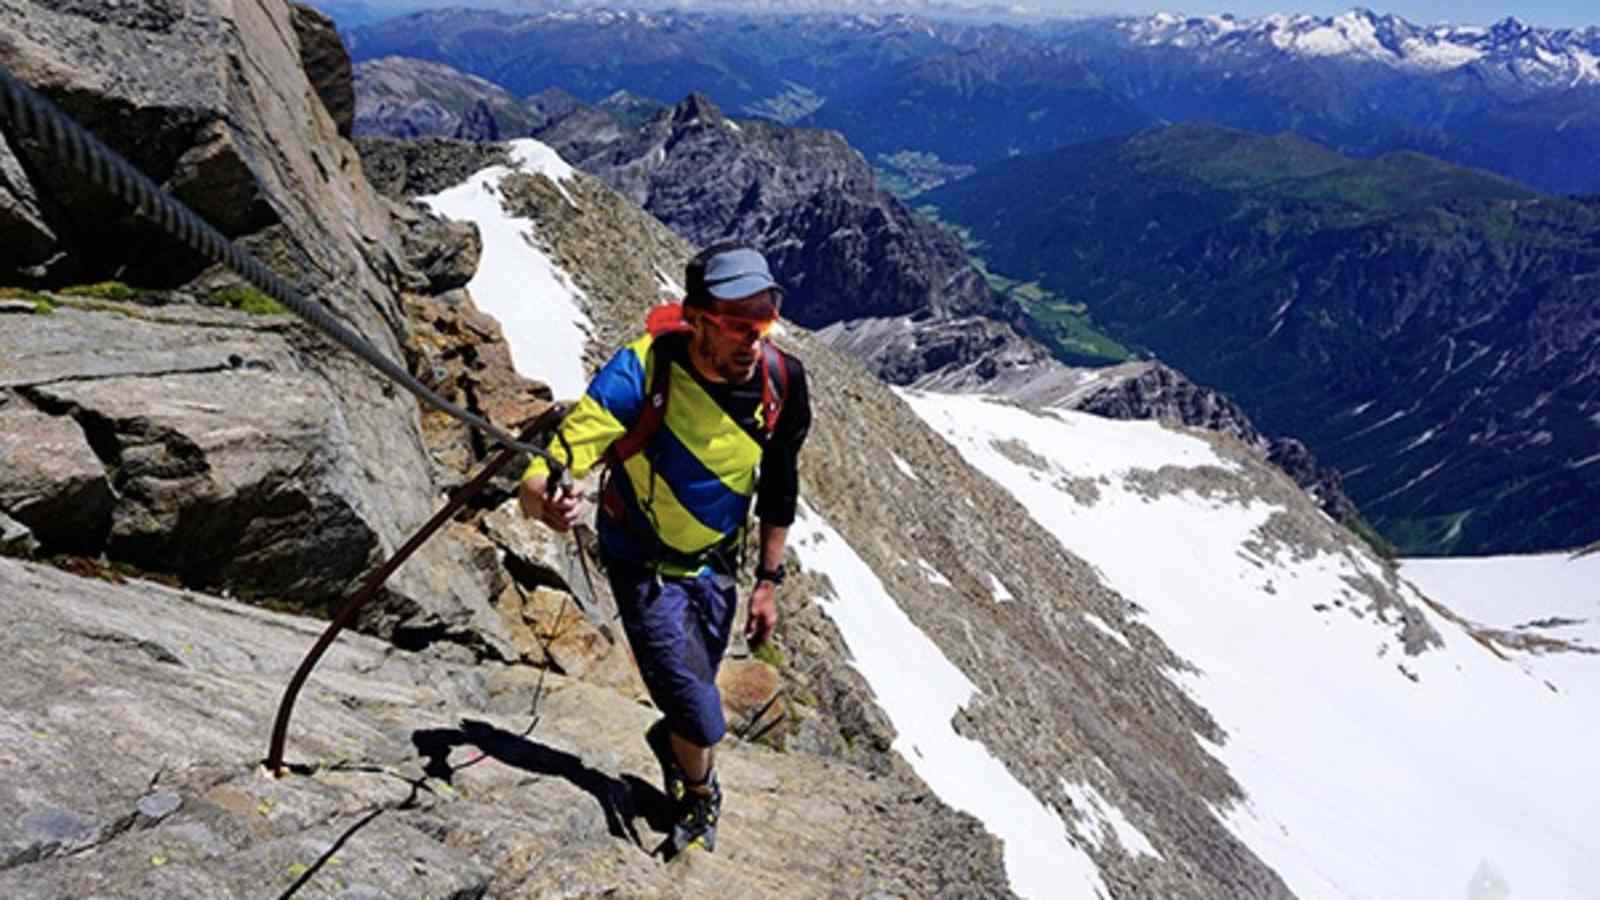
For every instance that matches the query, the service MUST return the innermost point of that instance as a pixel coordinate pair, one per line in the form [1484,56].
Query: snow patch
[905,467]
[1102,625]
[1102,818]
[1437,55]
[932,574]
[537,158]
[921,691]
[538,306]
[1552,595]
[998,589]
[1420,439]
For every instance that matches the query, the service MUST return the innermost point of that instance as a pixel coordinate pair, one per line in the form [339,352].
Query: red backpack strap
[774,386]
[651,415]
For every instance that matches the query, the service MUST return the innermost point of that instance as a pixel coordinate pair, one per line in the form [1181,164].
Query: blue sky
[1544,13]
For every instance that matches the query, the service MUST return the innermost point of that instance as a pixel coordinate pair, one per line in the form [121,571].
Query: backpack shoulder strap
[652,415]
[774,386]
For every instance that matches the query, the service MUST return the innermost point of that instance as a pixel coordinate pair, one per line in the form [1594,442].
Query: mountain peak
[697,107]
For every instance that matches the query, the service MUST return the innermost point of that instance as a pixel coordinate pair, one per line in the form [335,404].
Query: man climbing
[693,420]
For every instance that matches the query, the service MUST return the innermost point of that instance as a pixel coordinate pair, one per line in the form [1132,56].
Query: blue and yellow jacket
[691,487]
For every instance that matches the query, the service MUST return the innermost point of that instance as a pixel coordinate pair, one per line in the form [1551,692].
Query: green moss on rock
[104,290]
[247,299]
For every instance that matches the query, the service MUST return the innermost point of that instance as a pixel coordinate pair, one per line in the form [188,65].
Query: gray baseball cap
[737,273]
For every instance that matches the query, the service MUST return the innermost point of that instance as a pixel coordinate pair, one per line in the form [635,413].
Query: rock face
[327,65]
[136,717]
[52,483]
[231,451]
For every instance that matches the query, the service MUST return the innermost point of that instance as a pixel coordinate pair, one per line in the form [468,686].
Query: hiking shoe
[660,741]
[697,819]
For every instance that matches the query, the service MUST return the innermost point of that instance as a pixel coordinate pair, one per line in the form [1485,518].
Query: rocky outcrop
[445,252]
[217,111]
[327,65]
[230,451]
[403,169]
[966,354]
[1147,390]
[52,481]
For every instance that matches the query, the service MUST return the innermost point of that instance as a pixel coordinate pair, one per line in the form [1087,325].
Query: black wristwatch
[773,575]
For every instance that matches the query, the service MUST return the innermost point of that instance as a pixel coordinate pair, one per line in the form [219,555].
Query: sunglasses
[743,329]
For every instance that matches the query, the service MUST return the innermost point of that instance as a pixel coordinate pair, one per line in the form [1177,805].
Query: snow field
[1368,773]
[537,305]
[920,691]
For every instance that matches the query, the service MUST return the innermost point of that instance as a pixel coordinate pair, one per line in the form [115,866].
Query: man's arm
[777,498]
[612,399]
[763,600]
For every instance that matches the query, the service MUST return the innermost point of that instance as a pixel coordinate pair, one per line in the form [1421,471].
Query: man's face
[728,333]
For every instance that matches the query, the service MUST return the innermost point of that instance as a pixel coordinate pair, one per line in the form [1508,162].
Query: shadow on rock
[621,799]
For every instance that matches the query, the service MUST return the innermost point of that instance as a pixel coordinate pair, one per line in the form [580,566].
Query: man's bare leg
[696,762]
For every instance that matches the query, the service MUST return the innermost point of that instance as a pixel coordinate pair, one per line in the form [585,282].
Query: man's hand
[763,613]
[559,512]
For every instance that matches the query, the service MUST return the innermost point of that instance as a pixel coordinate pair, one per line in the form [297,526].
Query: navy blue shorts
[679,630]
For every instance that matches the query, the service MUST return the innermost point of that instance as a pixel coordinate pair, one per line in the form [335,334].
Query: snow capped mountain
[1539,57]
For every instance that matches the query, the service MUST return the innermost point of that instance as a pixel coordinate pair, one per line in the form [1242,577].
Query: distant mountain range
[1431,331]
[907,89]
